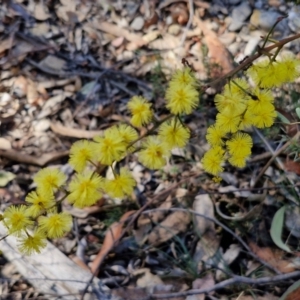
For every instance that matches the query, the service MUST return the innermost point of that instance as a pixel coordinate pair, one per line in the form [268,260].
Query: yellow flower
[265,74]
[212,160]
[48,180]
[238,160]
[173,134]
[237,87]
[289,67]
[81,153]
[16,219]
[264,113]
[246,120]
[230,103]
[55,225]
[183,77]
[214,135]
[85,189]
[32,243]
[228,122]
[39,203]
[128,134]
[141,111]
[153,156]
[240,145]
[182,99]
[123,184]
[111,147]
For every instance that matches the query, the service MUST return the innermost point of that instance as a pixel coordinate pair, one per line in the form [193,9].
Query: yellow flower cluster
[38,220]
[241,106]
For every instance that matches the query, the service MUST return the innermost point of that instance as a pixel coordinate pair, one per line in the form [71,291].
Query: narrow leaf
[276,229]
[282,118]
[298,112]
[295,286]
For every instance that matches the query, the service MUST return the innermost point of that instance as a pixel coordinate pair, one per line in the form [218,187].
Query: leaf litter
[68,69]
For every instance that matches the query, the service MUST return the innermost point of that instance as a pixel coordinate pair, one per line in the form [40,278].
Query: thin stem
[250,59]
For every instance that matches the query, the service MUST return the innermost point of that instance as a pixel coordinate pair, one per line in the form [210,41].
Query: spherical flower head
[111,147]
[228,121]
[81,153]
[213,159]
[238,160]
[128,134]
[55,225]
[289,67]
[246,120]
[48,180]
[35,242]
[122,185]
[265,74]
[85,189]
[264,114]
[154,153]
[182,99]
[183,77]
[140,110]
[231,103]
[215,135]
[39,203]
[240,144]
[16,219]
[237,87]
[173,133]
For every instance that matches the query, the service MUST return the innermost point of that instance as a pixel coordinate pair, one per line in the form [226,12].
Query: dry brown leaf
[53,104]
[274,258]
[203,205]
[292,166]
[24,158]
[174,223]
[6,44]
[20,86]
[74,132]
[147,280]
[227,258]
[131,293]
[117,31]
[205,229]
[53,63]
[113,233]
[202,283]
[41,11]
[4,143]
[32,94]
[294,295]
[217,52]
[78,261]
[145,221]
[266,296]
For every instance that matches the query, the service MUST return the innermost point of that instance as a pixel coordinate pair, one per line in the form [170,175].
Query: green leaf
[6,177]
[292,288]
[282,118]
[276,229]
[298,112]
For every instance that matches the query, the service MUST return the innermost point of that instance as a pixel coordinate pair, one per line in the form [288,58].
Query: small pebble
[174,29]
[239,16]
[137,23]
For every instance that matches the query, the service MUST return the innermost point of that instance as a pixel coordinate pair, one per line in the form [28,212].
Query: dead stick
[231,281]
[278,152]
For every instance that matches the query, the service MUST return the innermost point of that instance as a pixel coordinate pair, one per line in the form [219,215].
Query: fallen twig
[278,152]
[225,283]
[224,227]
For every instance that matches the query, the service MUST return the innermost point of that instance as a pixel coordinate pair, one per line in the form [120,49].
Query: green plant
[239,106]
